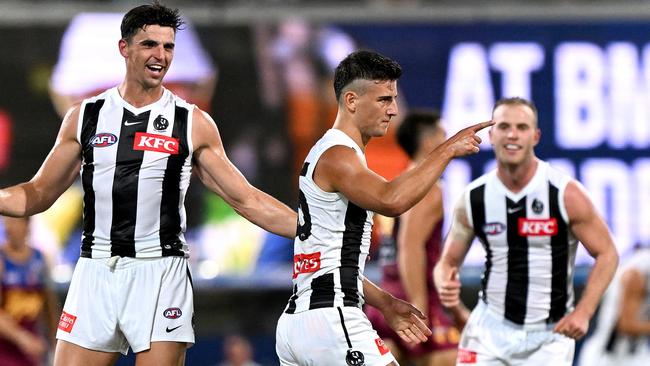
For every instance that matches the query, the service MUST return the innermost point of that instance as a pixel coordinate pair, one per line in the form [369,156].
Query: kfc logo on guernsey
[66,322]
[305,263]
[158,143]
[172,313]
[543,227]
[103,140]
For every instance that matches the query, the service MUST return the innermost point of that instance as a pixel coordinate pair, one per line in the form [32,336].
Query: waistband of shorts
[536,326]
[117,262]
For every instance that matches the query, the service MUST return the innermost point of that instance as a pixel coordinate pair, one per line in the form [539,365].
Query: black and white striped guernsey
[333,239]
[136,166]
[530,251]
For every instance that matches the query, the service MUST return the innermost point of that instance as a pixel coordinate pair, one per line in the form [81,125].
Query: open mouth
[155,68]
[512,147]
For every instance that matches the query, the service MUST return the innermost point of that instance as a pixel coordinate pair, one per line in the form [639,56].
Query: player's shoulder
[556,176]
[179,101]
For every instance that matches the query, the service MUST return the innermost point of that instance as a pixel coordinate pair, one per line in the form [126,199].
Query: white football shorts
[490,340]
[114,303]
[330,337]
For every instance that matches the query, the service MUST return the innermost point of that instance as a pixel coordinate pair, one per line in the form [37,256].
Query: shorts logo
[172,313]
[305,263]
[158,143]
[543,227]
[466,356]
[103,140]
[494,228]
[381,346]
[355,358]
[66,322]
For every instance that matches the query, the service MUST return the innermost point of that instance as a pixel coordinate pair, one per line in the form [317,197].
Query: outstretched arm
[404,318]
[57,173]
[223,178]
[590,229]
[339,169]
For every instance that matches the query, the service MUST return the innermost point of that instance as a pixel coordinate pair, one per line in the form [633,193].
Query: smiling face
[375,104]
[148,55]
[514,134]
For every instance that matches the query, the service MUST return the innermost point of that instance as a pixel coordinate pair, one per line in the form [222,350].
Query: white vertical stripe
[495,207]
[109,121]
[540,261]
[150,179]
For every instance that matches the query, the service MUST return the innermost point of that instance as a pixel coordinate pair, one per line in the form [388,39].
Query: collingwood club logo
[354,358]
[160,123]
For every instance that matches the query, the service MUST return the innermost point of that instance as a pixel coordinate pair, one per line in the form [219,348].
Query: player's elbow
[393,205]
[628,327]
[610,256]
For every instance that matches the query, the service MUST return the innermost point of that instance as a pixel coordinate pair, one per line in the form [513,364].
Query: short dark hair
[366,65]
[143,15]
[516,101]
[413,126]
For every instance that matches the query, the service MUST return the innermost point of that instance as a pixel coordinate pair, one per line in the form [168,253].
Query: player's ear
[122,44]
[538,135]
[350,100]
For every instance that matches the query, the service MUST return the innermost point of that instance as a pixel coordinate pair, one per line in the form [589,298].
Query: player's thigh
[162,354]
[558,352]
[330,336]
[69,354]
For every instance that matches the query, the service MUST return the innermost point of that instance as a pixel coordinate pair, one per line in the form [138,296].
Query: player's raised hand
[466,141]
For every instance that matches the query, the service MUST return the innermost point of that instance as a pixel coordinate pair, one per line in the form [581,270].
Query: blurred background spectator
[237,351]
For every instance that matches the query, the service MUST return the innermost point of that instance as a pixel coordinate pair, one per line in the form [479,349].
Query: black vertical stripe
[560,259]
[170,216]
[517,285]
[355,219]
[89,121]
[291,308]
[345,329]
[125,185]
[322,292]
[611,341]
[303,171]
[477,202]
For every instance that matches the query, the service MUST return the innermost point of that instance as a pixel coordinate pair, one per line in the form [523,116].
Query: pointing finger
[479,126]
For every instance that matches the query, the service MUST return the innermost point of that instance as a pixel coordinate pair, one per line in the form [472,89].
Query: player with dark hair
[408,254]
[323,324]
[529,218]
[135,146]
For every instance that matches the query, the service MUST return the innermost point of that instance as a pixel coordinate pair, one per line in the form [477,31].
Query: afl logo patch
[172,313]
[538,206]
[103,140]
[493,228]
[160,123]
